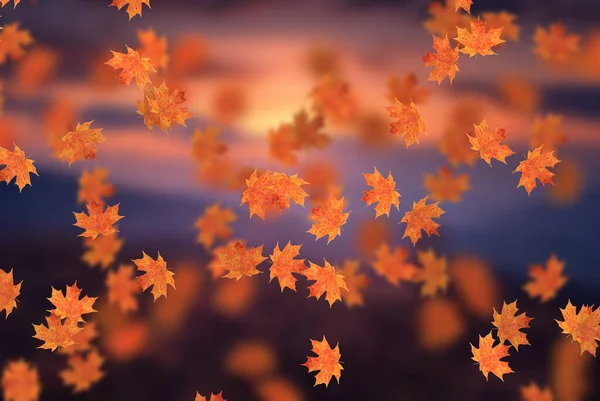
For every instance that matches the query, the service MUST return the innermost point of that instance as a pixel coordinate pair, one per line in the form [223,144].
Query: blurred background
[250,70]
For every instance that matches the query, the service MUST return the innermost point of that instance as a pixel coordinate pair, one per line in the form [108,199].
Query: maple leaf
[333,98]
[306,130]
[58,333]
[12,41]
[98,222]
[548,132]
[409,122]
[444,20]
[421,218]
[534,393]
[445,187]
[392,265]
[82,340]
[93,186]
[69,305]
[383,192]
[134,7]
[58,119]
[455,145]
[503,20]
[156,275]
[478,41]
[534,167]
[555,44]
[327,281]
[433,273]
[101,250]
[9,291]
[36,69]
[206,145]
[133,66]
[5,2]
[464,4]
[162,108]
[509,325]
[520,93]
[328,218]
[83,371]
[444,62]
[327,362]
[546,282]
[283,144]
[17,166]
[583,326]
[239,260]
[356,283]
[488,357]
[213,397]
[272,189]
[213,224]
[487,142]
[284,265]
[80,144]
[122,288]
[20,381]
[405,89]
[153,47]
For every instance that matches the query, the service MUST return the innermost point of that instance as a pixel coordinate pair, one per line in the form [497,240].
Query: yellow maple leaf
[327,362]
[156,275]
[17,166]
[534,167]
[409,122]
[478,41]
[328,218]
[133,66]
[421,218]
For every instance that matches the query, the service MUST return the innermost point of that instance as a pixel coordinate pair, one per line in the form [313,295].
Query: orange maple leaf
[534,167]
[327,362]
[433,273]
[283,145]
[383,192]
[548,132]
[444,62]
[272,189]
[189,55]
[58,119]
[444,20]
[162,108]
[509,325]
[583,326]
[5,2]
[153,47]
[82,340]
[156,275]
[12,41]
[69,305]
[20,381]
[36,69]
[284,265]
[17,166]
[356,283]
[133,66]
[134,7]
[405,89]
[93,186]
[328,218]
[393,266]
[445,187]
[206,145]
[534,393]
[102,250]
[83,371]
[239,260]
[327,281]
[520,93]
[123,288]
[58,333]
[455,145]
[555,44]
[98,222]
[307,130]
[464,4]
[409,122]
[213,224]
[333,99]
[478,41]
[79,144]
[504,20]
[421,218]
[487,142]
[546,282]
[9,291]
[488,357]
[213,397]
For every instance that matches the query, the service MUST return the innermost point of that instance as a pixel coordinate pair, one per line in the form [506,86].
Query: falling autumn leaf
[487,142]
[83,371]
[82,340]
[409,123]
[284,265]
[555,44]
[5,2]
[445,187]
[134,7]
[156,275]
[546,282]
[36,69]
[432,273]
[444,20]
[59,117]
[20,380]
[69,306]
[421,218]
[328,219]
[9,291]
[509,326]
[80,144]
[533,392]
[393,265]
[478,41]
[123,288]
[17,166]
[355,282]
[57,333]
[240,260]
[383,193]
[12,41]
[520,93]
[327,362]
[488,357]
[504,20]
[548,132]
[93,186]
[534,167]
[102,250]
[214,224]
[162,108]
[444,62]
[333,98]
[154,48]
[464,4]
[327,281]
[569,183]
[133,66]
[406,89]
[583,326]
[98,221]
[213,397]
